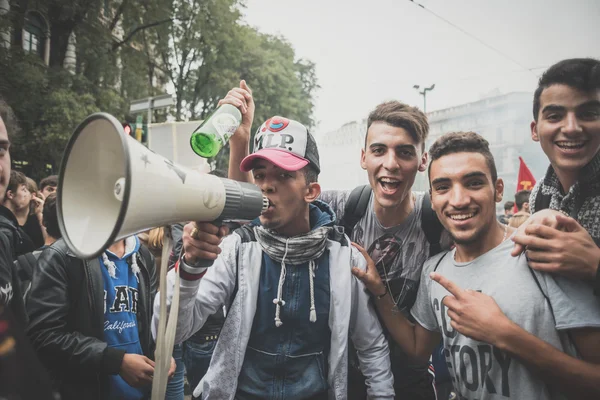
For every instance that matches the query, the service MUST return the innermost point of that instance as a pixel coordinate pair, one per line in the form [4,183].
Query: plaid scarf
[582,201]
[294,250]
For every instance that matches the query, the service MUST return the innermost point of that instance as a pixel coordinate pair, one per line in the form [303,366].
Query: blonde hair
[155,238]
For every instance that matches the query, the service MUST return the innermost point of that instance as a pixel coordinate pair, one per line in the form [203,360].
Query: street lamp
[424,94]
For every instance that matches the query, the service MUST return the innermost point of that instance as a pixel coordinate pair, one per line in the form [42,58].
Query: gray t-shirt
[398,252]
[481,371]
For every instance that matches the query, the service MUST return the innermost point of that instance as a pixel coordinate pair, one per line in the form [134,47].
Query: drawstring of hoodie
[311,277]
[112,267]
[297,250]
[279,301]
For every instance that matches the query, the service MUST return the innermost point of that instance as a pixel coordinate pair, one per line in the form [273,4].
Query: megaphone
[111,186]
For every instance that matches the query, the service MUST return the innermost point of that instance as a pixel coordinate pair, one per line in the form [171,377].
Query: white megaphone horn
[111,186]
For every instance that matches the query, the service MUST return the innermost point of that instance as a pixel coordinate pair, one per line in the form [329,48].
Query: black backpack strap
[437,264]
[432,227]
[25,264]
[356,207]
[537,282]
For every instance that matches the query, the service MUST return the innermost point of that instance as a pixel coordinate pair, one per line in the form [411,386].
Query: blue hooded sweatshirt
[120,313]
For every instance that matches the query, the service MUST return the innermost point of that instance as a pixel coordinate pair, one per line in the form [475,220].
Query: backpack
[356,208]
[25,264]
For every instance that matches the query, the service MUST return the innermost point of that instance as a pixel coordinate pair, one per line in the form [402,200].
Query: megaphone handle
[208,263]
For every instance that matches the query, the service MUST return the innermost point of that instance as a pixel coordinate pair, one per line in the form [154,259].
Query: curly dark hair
[579,73]
[459,142]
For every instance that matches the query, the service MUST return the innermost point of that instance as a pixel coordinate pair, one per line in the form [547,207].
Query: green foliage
[281,84]
[49,104]
[137,48]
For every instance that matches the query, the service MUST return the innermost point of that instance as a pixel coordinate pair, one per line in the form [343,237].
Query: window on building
[34,35]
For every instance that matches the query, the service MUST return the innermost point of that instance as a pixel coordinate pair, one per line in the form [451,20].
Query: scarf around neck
[582,201]
[294,250]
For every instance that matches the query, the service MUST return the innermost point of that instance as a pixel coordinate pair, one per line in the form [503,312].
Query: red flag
[526,181]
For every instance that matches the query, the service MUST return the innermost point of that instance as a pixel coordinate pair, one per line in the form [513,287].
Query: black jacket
[13,243]
[21,243]
[10,282]
[66,310]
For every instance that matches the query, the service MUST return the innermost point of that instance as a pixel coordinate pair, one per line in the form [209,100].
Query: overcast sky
[368,51]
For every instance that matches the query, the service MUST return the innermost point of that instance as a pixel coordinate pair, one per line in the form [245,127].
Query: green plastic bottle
[214,132]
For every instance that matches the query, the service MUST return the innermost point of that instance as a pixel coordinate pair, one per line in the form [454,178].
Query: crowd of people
[375,292]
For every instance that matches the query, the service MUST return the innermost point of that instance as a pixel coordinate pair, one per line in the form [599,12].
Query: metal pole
[425,102]
[150,105]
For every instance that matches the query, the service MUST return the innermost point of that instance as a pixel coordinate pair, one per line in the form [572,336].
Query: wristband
[381,296]
[191,272]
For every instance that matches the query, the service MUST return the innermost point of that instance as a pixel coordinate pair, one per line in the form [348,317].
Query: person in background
[153,239]
[33,225]
[508,209]
[48,185]
[13,214]
[522,203]
[90,320]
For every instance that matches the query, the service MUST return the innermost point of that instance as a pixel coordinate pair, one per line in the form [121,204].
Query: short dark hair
[508,205]
[400,115]
[50,216]
[51,180]
[522,197]
[17,179]
[10,120]
[310,174]
[460,142]
[579,73]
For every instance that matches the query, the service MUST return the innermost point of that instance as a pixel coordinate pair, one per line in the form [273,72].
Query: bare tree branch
[142,27]
[117,15]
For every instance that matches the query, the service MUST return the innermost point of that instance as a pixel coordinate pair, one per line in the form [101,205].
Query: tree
[281,85]
[130,49]
[64,16]
[198,29]
[49,101]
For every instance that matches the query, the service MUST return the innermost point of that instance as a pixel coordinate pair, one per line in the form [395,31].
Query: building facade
[503,120]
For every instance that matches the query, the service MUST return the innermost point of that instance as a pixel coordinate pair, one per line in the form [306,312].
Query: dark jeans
[409,383]
[196,357]
[175,385]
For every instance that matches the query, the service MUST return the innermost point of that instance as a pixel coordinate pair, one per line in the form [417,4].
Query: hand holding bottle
[234,115]
[242,98]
